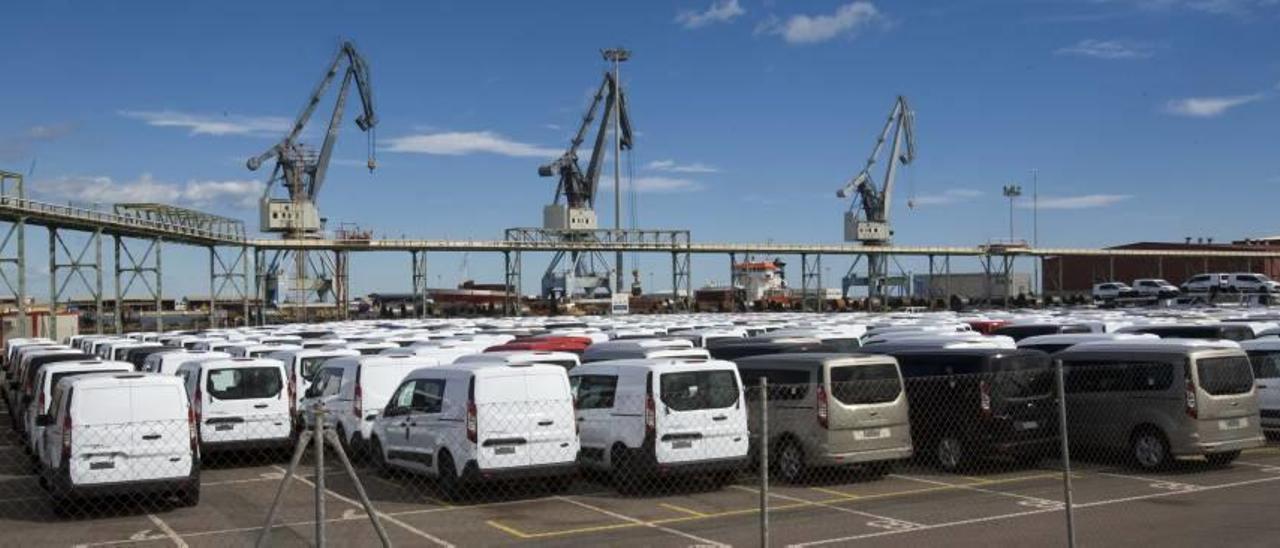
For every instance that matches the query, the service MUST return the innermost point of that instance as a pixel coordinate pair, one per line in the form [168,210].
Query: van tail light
[984,397]
[577,426]
[66,438]
[40,408]
[1193,410]
[650,416]
[293,395]
[472,422]
[823,406]
[192,424]
[357,404]
[197,404]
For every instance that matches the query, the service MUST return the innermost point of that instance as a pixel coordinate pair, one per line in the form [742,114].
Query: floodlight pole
[617,56]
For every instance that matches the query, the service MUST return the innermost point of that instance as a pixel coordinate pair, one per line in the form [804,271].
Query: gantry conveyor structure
[139,231]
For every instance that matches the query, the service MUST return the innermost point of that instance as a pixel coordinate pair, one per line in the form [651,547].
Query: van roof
[92,364]
[488,369]
[119,379]
[1156,345]
[658,365]
[525,356]
[816,359]
[1076,338]
[234,363]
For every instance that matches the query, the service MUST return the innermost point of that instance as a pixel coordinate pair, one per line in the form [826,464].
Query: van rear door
[1226,405]
[553,434]
[700,416]
[129,433]
[867,408]
[244,403]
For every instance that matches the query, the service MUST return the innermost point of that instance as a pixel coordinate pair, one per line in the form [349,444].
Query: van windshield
[1223,376]
[245,383]
[1022,376]
[695,390]
[310,366]
[863,384]
[1266,365]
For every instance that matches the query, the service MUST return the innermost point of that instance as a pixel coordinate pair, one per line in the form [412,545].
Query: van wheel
[65,507]
[724,478]
[879,469]
[447,477]
[951,454]
[379,459]
[1222,459]
[790,464]
[1149,449]
[559,484]
[626,473]
[189,497]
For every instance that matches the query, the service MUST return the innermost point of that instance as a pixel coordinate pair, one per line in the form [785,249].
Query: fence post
[764,462]
[1066,454]
[319,448]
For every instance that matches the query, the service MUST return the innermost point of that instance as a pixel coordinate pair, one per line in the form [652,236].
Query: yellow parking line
[508,530]
[834,492]
[682,509]
[564,532]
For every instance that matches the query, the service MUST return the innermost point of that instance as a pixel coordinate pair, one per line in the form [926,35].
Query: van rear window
[695,390]
[1022,376]
[245,383]
[863,384]
[1225,376]
[312,365]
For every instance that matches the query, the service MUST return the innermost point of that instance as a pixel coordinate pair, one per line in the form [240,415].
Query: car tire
[790,466]
[723,478]
[558,485]
[447,478]
[189,497]
[65,507]
[1149,449]
[379,459]
[627,477]
[950,454]
[1222,460]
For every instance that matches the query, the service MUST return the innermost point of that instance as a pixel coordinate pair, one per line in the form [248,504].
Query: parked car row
[636,399]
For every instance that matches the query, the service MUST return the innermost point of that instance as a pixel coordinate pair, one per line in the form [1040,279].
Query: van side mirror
[43,420]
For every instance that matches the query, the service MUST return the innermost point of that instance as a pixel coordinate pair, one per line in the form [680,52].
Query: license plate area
[224,427]
[682,444]
[871,434]
[102,465]
[504,450]
[1233,424]
[1026,425]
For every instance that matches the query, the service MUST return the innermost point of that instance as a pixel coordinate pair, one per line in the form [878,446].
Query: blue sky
[1147,119]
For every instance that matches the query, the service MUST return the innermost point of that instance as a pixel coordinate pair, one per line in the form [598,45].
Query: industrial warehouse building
[1076,275]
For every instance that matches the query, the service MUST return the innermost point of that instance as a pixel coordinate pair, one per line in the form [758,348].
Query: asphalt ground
[1191,504]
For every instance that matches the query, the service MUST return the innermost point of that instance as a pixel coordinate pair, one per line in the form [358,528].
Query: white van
[129,433]
[468,422]
[239,403]
[167,363]
[1264,355]
[355,389]
[567,360]
[642,418]
[46,378]
[639,349]
[302,367]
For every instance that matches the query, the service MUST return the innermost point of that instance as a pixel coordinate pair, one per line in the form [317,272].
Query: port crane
[867,220]
[572,211]
[300,170]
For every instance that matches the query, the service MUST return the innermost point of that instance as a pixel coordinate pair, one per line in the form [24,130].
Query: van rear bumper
[472,472]
[59,485]
[855,457]
[697,467]
[248,445]
[1209,448]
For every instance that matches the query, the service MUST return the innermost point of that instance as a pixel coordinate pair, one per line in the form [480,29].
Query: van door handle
[546,423]
[719,418]
[151,437]
[582,419]
[260,406]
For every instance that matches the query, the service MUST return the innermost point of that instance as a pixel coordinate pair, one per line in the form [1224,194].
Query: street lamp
[1012,192]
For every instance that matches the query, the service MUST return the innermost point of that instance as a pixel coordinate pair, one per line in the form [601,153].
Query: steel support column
[228,278]
[511,300]
[63,259]
[681,279]
[17,285]
[145,268]
[419,282]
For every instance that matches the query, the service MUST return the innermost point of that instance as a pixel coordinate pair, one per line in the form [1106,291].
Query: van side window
[331,382]
[595,391]
[784,384]
[1118,376]
[428,396]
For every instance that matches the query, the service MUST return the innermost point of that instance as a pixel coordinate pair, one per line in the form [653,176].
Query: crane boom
[303,176]
[579,188]
[875,202]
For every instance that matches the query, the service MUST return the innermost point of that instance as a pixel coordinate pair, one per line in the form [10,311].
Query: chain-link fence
[801,449]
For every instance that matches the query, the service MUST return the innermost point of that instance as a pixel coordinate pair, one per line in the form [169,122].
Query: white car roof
[657,365]
[518,356]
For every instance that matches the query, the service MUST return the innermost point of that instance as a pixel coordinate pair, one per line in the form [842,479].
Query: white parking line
[637,521]
[1155,483]
[880,522]
[1095,504]
[1035,502]
[382,515]
[168,531]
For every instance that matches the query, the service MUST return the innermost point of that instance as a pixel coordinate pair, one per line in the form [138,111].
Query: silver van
[829,410]
[1159,400]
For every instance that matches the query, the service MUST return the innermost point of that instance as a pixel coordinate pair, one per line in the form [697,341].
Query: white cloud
[1109,49]
[720,11]
[1208,107]
[1235,8]
[553,127]
[105,190]
[19,146]
[946,197]
[655,185]
[1086,201]
[809,29]
[672,167]
[203,124]
[459,143]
